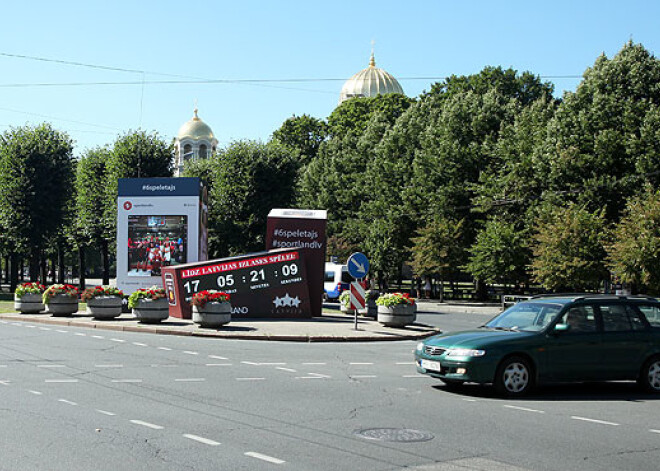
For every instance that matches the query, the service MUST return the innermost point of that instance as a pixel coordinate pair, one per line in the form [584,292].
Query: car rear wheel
[514,377]
[649,377]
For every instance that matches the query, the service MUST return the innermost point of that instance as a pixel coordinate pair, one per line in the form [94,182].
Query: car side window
[580,319]
[620,318]
[652,313]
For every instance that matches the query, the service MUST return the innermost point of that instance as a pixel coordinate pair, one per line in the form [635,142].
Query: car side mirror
[562,328]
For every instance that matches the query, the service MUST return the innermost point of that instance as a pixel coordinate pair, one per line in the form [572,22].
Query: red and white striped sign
[357,295]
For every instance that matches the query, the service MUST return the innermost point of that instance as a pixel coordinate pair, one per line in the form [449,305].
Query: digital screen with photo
[155,242]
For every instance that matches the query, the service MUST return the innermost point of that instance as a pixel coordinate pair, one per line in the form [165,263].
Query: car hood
[476,339]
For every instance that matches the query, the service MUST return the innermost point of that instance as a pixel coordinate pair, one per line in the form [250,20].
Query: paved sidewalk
[327,328]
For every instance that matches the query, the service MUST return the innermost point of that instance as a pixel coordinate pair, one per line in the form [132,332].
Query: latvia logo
[128,205]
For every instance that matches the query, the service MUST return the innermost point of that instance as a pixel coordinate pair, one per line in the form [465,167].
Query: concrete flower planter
[62,305]
[29,303]
[212,315]
[372,309]
[150,311]
[346,310]
[398,315]
[104,307]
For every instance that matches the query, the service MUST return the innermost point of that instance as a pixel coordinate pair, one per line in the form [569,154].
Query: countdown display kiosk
[270,284]
[161,222]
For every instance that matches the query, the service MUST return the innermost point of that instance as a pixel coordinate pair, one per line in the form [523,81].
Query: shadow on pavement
[594,391]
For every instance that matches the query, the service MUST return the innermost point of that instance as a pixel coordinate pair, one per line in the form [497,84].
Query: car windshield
[525,316]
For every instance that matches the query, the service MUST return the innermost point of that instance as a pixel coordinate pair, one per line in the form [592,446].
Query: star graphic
[278,302]
[287,300]
[295,302]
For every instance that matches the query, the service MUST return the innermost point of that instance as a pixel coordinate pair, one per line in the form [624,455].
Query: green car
[552,339]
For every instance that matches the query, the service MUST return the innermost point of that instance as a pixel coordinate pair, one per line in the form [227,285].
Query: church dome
[195,129]
[369,82]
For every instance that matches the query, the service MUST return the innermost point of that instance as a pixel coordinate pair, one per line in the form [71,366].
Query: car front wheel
[649,377]
[514,377]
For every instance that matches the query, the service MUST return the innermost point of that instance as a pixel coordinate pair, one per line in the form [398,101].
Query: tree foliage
[36,184]
[250,179]
[634,253]
[569,249]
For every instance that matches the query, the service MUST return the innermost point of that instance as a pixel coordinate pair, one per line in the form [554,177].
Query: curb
[215,334]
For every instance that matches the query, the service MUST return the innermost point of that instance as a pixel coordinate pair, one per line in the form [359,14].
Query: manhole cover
[401,435]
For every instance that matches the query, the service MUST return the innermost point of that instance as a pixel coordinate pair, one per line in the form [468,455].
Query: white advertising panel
[161,222]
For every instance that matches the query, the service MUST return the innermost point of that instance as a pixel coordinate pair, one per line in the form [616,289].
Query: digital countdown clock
[267,284]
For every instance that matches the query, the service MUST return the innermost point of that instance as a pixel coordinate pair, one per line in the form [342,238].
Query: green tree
[634,254]
[352,116]
[304,134]
[499,254]
[91,226]
[434,250]
[250,179]
[36,185]
[603,138]
[569,248]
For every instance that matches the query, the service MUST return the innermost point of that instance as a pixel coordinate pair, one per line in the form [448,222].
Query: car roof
[565,298]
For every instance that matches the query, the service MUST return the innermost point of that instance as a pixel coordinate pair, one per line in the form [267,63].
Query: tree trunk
[34,266]
[7,277]
[13,277]
[81,267]
[442,290]
[60,264]
[106,261]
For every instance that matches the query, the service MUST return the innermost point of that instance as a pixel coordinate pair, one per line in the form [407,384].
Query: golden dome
[370,82]
[195,129]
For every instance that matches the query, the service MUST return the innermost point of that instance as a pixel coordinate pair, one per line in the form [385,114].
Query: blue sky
[325,41]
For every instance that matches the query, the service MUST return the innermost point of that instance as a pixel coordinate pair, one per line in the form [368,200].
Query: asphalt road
[79,399]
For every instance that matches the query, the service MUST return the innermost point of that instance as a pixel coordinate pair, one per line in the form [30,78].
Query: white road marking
[5,382]
[362,376]
[108,366]
[216,357]
[61,381]
[250,379]
[654,431]
[165,348]
[71,403]
[525,409]
[140,344]
[50,366]
[357,363]
[595,421]
[80,334]
[45,328]
[218,364]
[405,362]
[126,380]
[98,337]
[190,380]
[206,441]
[470,400]
[188,352]
[414,376]
[105,412]
[147,424]
[31,326]
[164,366]
[62,331]
[314,364]
[313,376]
[272,364]
[286,369]
[250,363]
[118,340]
[259,456]
[36,393]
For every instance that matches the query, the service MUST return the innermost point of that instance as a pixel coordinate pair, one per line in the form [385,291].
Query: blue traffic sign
[358,265]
